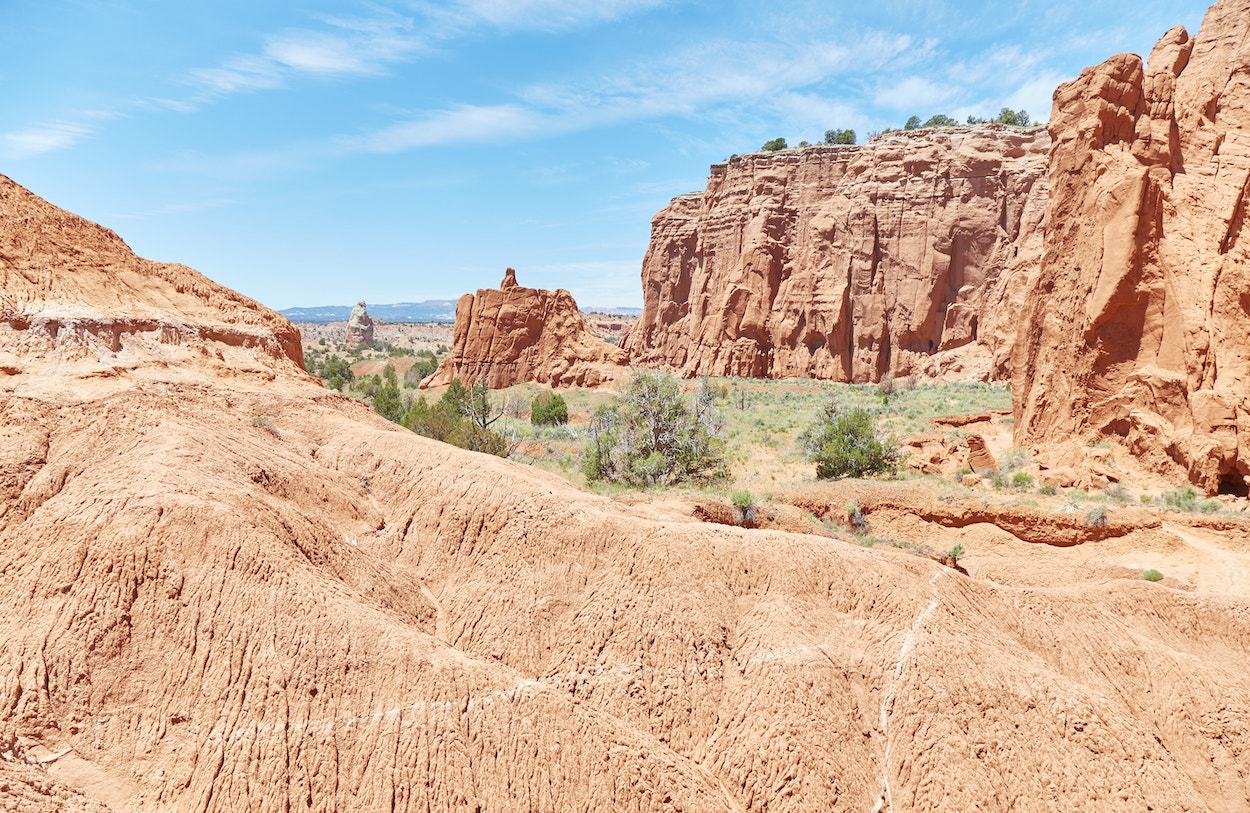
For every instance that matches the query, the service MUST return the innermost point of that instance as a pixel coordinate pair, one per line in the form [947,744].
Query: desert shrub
[1097,517]
[744,501]
[262,422]
[774,145]
[955,553]
[845,443]
[549,409]
[1186,500]
[886,386]
[334,371]
[1047,490]
[1021,481]
[1152,575]
[856,519]
[653,436]
[460,417]
[387,402]
[425,365]
[1013,459]
[999,480]
[1118,494]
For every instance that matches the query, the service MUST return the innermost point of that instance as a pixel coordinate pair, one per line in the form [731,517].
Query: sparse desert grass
[762,421]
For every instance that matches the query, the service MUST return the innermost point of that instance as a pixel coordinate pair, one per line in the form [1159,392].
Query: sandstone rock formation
[73,291]
[359,326]
[514,334]
[905,255]
[980,458]
[1138,326]
[227,589]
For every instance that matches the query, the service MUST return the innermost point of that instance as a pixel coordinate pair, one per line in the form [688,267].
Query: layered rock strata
[513,334]
[73,291]
[1138,326]
[905,255]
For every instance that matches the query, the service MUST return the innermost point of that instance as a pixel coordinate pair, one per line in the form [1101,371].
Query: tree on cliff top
[839,136]
[774,145]
[1016,118]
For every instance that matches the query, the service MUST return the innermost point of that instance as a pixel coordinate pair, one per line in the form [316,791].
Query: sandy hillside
[227,589]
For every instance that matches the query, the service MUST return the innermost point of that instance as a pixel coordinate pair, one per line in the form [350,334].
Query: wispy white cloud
[370,45]
[343,46]
[17,145]
[542,15]
[912,94]
[238,74]
[460,124]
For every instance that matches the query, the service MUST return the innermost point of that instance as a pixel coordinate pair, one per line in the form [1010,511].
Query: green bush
[1016,118]
[955,553]
[549,409]
[425,365]
[652,436]
[941,120]
[1186,500]
[1048,490]
[774,145]
[1152,575]
[744,501]
[459,418]
[1097,517]
[839,136]
[845,443]
[1021,481]
[913,123]
[334,371]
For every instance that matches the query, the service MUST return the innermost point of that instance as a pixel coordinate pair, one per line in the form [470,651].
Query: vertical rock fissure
[886,800]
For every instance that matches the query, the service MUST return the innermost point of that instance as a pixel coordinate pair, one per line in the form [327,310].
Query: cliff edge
[905,255]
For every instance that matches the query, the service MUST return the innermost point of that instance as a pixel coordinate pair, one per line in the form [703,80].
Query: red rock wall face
[1138,322]
[905,255]
[515,334]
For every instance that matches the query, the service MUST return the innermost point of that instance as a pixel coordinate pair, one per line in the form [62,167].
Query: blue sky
[327,151]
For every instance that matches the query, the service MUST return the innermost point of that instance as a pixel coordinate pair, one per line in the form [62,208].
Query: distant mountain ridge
[431,310]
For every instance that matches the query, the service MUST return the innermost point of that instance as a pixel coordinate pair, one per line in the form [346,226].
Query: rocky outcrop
[359,326]
[905,255]
[1138,326]
[980,458]
[515,334]
[72,292]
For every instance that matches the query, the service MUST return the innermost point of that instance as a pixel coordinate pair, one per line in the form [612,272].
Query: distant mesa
[359,326]
[1138,325]
[907,255]
[515,334]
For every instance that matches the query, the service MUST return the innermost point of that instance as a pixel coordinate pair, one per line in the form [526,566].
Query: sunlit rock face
[1138,326]
[908,254]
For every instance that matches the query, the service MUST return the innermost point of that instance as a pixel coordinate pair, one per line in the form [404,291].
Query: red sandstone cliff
[512,334]
[1138,325]
[907,254]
